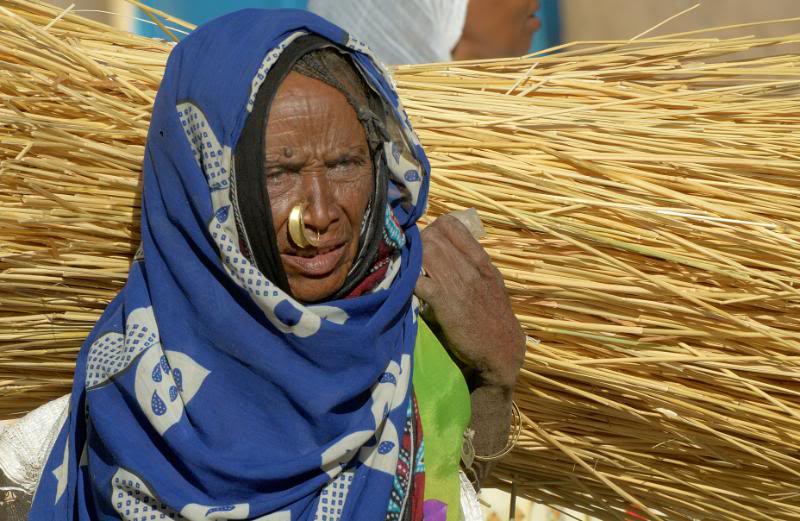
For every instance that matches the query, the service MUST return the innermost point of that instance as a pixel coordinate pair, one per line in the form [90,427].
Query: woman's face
[317,153]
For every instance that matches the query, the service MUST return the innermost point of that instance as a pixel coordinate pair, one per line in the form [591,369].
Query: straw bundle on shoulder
[640,199]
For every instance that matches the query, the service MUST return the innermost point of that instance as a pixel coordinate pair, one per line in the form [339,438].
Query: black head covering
[322,60]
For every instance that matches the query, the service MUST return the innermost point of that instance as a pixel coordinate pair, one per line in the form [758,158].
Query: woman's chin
[307,288]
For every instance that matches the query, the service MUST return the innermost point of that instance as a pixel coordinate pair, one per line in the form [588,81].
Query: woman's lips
[315,262]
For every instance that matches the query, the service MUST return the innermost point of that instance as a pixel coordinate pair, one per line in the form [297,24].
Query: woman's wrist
[491,414]
[500,387]
[504,375]
[504,382]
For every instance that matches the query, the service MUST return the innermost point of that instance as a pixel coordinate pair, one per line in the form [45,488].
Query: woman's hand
[467,304]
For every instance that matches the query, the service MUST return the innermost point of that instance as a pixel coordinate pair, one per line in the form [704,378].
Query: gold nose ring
[297,228]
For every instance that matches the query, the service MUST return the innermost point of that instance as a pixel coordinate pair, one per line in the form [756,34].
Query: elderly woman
[267,358]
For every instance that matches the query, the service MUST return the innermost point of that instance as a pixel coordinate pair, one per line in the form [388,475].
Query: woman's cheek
[355,196]
[280,210]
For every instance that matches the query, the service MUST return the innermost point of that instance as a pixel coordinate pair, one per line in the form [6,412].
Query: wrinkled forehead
[214,77]
[368,87]
[312,117]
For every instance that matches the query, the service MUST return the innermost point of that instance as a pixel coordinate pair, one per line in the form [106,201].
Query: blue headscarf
[205,391]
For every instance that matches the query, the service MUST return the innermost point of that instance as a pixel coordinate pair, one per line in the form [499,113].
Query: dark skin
[497,29]
[317,152]
[470,312]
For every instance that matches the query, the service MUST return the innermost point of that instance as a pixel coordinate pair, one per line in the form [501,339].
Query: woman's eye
[347,162]
[279,173]
[280,178]
[280,181]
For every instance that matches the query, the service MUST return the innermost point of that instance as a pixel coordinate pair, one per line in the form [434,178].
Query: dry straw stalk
[640,199]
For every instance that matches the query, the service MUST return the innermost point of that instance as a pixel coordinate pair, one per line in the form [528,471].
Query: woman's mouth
[315,262]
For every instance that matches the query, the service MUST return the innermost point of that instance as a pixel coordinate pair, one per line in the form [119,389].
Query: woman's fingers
[441,259]
[461,239]
[425,289]
[465,297]
[445,271]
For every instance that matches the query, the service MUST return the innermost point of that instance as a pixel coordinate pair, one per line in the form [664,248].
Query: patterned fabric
[409,480]
[392,242]
[205,392]
[333,497]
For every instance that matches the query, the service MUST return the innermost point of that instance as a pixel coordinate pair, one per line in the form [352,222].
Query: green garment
[444,407]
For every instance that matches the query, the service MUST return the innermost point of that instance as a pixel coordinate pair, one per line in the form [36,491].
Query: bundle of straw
[640,199]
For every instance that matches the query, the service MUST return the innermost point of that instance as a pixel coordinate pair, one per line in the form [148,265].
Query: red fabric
[418,490]
[377,273]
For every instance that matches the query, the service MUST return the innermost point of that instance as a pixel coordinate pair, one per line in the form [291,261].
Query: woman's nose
[321,210]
